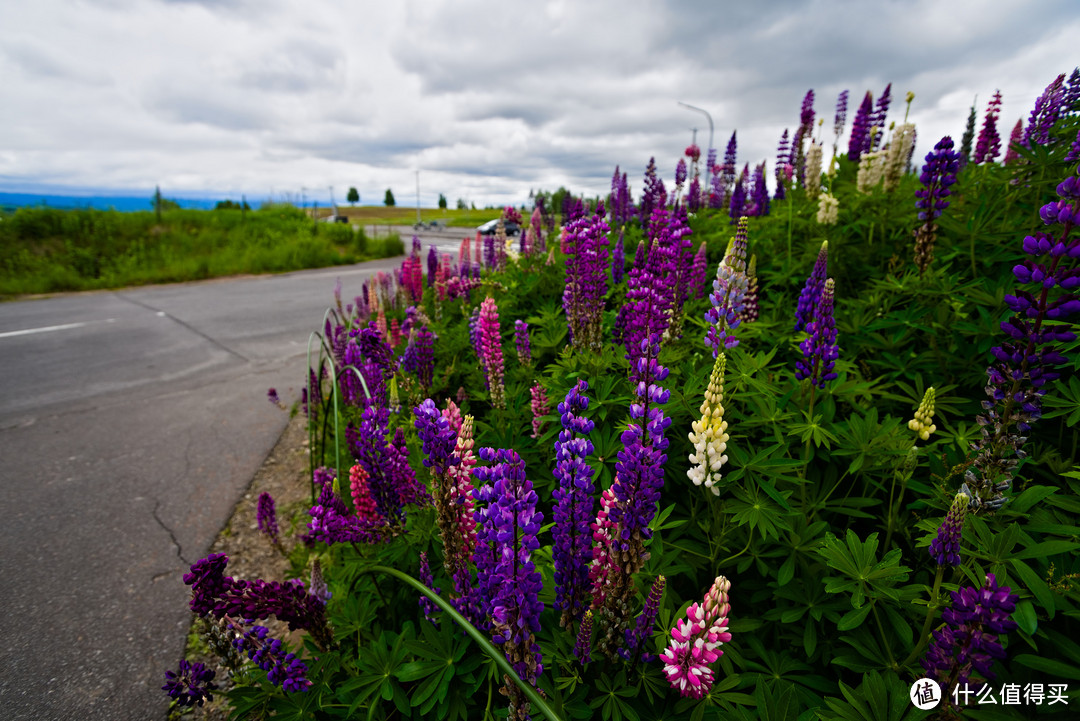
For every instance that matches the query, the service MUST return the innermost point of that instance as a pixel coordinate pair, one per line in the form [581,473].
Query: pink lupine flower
[604,563]
[395,332]
[363,502]
[491,348]
[380,324]
[452,414]
[696,642]
[540,408]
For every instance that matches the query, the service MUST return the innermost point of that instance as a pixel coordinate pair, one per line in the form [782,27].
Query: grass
[46,250]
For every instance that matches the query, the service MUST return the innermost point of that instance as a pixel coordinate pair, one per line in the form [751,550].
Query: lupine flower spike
[491,348]
[729,291]
[583,645]
[945,548]
[637,636]
[541,406]
[922,423]
[819,349]
[267,518]
[970,640]
[190,685]
[696,640]
[710,435]
[811,292]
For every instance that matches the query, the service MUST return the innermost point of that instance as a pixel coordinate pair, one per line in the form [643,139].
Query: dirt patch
[285,476]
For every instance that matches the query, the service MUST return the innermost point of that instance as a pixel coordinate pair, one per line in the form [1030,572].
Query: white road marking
[50,328]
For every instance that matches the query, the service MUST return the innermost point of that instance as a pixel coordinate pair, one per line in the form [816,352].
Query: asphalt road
[131,423]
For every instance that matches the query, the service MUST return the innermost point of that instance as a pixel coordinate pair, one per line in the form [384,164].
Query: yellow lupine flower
[710,435]
[921,423]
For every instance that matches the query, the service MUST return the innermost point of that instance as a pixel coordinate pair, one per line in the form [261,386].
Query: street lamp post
[709,117]
[418,197]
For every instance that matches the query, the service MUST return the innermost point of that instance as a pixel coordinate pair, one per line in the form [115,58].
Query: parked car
[489,227]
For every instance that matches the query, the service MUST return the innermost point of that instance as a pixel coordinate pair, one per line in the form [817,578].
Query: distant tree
[474,206]
[353,197]
[231,205]
[389,201]
[461,205]
[442,201]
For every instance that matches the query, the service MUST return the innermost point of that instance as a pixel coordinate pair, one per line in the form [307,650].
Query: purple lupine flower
[369,447]
[811,292]
[860,129]
[515,605]
[698,271]
[491,347]
[970,641]
[738,199]
[426,604]
[806,127]
[272,396]
[650,292]
[323,476]
[618,260]
[680,174]
[1047,108]
[989,143]
[693,196]
[282,669]
[521,342]
[654,195]
[727,173]
[583,644]
[474,336]
[761,192]
[438,439]
[266,517]
[938,174]
[419,356]
[841,114]
[783,157]
[489,251]
[410,490]
[318,587]
[1074,150]
[214,593]
[945,548]
[1071,102]
[586,246]
[190,685]
[636,636]
[819,348]
[432,265]
[881,112]
[574,504]
[729,290]
[1028,360]
[332,523]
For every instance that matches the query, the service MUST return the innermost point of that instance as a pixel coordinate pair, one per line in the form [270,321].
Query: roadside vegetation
[46,250]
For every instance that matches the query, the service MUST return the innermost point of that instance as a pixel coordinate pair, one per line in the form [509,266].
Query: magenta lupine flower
[989,143]
[332,523]
[939,172]
[729,291]
[282,669]
[819,348]
[465,256]
[696,640]
[574,504]
[945,548]
[541,407]
[811,292]
[637,636]
[859,141]
[605,555]
[971,640]
[266,517]
[698,271]
[783,157]
[214,593]
[190,685]
[618,260]
[1047,108]
[491,348]
[426,604]
[1015,139]
[515,605]
[693,152]
[363,504]
[452,414]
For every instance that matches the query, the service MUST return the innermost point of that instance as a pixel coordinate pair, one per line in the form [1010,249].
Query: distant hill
[10,201]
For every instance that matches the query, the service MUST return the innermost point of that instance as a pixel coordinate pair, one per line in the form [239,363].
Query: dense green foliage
[827,505]
[45,250]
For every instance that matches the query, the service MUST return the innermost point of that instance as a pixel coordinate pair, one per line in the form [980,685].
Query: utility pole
[303,197]
[417,197]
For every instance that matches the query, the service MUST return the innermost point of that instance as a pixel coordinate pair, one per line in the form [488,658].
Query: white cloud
[488,99]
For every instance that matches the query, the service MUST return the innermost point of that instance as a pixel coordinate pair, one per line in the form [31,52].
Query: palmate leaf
[862,573]
[878,698]
[757,511]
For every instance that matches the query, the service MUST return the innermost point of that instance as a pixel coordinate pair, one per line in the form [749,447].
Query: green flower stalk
[710,435]
[921,423]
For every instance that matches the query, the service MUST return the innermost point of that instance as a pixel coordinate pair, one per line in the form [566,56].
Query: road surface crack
[191,328]
[179,550]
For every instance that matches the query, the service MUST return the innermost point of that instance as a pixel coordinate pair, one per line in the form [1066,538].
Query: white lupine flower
[710,435]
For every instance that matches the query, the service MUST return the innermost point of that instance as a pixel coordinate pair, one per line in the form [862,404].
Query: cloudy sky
[486,98]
